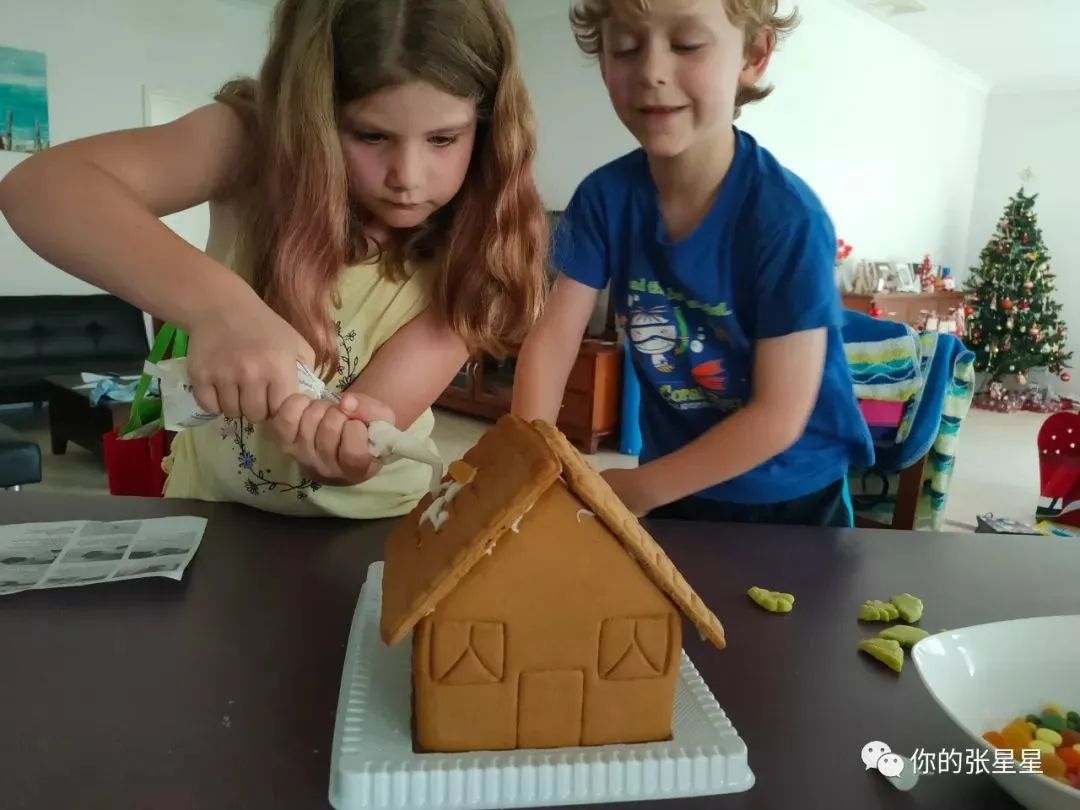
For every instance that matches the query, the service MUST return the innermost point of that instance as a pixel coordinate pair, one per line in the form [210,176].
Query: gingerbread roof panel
[587,484]
[436,545]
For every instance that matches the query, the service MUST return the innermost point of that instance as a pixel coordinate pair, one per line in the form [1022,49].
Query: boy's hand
[632,489]
[329,441]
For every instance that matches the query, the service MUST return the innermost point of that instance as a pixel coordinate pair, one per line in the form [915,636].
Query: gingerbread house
[543,614]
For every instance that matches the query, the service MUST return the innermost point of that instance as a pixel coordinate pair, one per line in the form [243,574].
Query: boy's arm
[787,375]
[550,349]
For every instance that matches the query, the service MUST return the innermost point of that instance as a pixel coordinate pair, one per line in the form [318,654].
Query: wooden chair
[907,501]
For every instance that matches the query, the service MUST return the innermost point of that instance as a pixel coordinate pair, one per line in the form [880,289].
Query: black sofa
[43,335]
[20,460]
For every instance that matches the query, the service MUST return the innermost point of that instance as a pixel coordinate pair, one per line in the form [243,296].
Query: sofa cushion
[41,335]
[20,459]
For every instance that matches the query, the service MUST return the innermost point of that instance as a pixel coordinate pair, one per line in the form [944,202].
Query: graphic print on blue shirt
[758,266]
[680,354]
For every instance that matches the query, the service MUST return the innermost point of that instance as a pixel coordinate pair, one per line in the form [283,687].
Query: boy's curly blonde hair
[586,17]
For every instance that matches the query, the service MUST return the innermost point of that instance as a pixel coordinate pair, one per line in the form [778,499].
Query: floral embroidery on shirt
[348,365]
[260,480]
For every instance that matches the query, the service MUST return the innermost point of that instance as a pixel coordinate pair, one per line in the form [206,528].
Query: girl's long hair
[486,249]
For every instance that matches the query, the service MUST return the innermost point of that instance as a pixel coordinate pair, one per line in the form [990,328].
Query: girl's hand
[329,441]
[242,360]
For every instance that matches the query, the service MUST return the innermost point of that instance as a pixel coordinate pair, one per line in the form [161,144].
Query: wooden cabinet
[591,404]
[905,307]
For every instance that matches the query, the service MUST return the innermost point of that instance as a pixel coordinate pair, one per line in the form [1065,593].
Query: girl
[373,215]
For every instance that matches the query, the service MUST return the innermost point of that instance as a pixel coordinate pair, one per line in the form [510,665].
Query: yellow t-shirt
[234,460]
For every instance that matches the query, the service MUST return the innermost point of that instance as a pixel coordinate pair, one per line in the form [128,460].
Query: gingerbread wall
[557,638]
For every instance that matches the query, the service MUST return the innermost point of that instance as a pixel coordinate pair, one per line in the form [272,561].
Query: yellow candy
[874,610]
[907,636]
[1048,735]
[1032,726]
[887,651]
[1042,746]
[1076,748]
[772,601]
[910,607]
[1053,707]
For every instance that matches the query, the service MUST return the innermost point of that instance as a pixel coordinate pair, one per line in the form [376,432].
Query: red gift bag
[134,465]
[1059,469]
[134,452]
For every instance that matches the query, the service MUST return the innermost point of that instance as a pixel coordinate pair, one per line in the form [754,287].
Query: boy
[721,264]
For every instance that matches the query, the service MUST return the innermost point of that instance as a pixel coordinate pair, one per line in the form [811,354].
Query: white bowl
[985,676]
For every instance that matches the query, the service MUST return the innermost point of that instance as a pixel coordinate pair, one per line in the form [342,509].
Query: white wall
[1037,132]
[100,55]
[886,131]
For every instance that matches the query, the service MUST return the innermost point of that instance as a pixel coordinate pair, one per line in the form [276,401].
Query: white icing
[437,514]
[584,513]
[388,444]
[515,527]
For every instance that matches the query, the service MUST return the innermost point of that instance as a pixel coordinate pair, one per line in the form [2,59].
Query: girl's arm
[403,379]
[411,370]
[91,207]
[787,377]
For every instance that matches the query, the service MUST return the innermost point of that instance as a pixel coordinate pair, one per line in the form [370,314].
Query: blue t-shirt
[760,265]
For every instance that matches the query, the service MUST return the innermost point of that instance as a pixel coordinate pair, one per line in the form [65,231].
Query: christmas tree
[1013,322]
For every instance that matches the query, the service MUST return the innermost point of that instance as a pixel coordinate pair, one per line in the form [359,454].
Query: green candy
[906,636]
[887,651]
[1052,720]
[1073,716]
[874,610]
[1034,718]
[910,607]
[772,601]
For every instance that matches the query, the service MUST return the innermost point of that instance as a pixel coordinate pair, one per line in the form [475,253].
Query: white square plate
[373,765]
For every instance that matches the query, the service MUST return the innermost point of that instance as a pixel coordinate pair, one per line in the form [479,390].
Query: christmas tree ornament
[1029,285]
[1065,376]
[1007,304]
[969,311]
[1024,306]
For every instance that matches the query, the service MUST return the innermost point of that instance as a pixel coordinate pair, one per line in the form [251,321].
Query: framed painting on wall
[24,101]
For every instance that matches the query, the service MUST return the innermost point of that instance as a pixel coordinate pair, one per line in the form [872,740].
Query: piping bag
[180,411]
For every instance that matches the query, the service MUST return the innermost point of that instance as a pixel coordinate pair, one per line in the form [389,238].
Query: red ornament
[843,250]
[1024,238]
[876,311]
[1065,376]
[969,310]
[1024,306]
[1029,285]
[1007,304]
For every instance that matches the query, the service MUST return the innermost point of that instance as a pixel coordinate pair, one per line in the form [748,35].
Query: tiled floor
[996,470]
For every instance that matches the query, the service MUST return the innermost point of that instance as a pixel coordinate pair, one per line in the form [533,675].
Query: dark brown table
[73,419]
[220,691]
